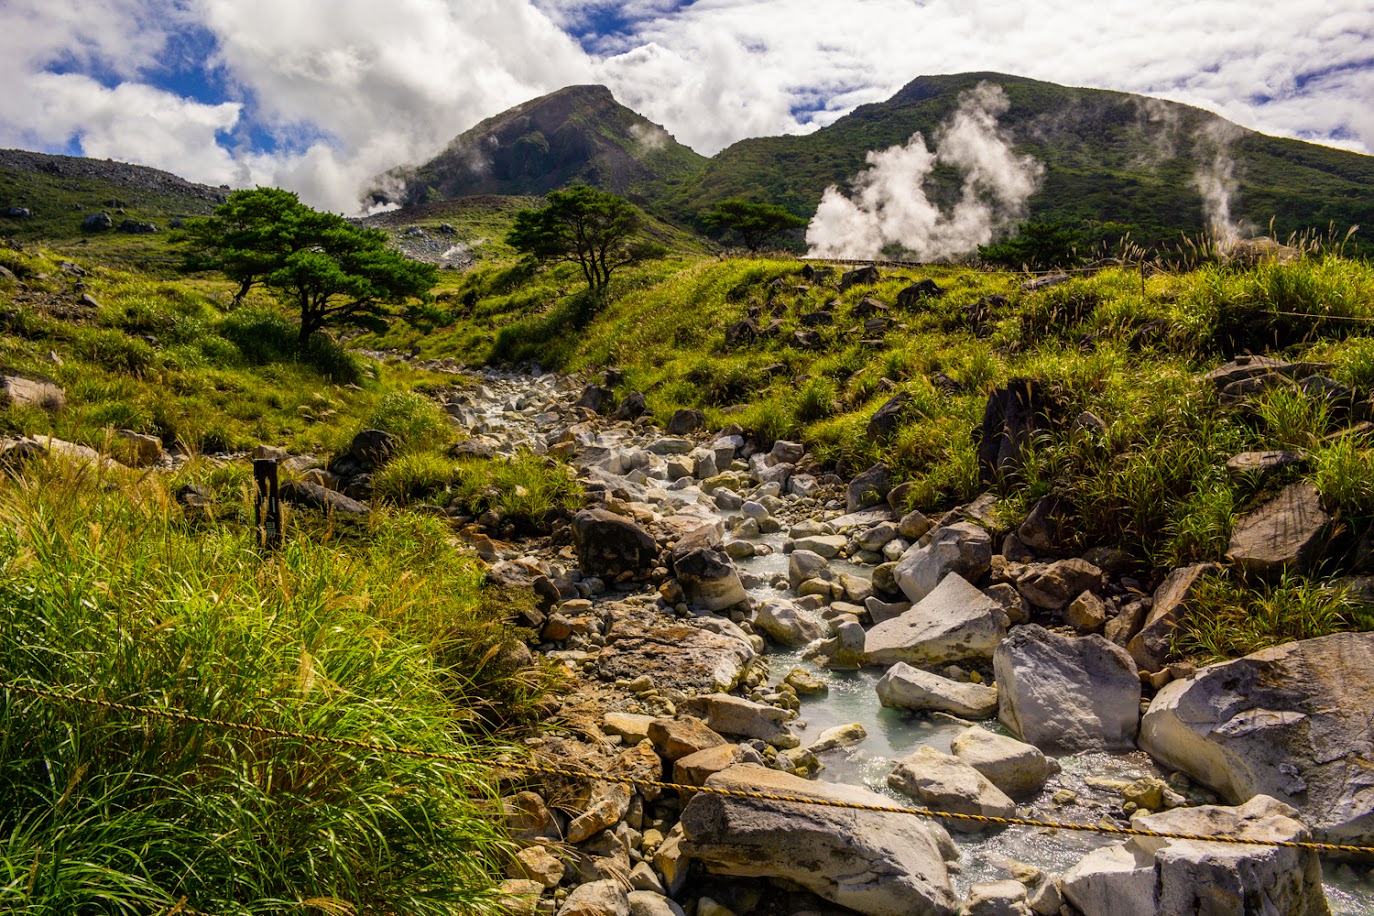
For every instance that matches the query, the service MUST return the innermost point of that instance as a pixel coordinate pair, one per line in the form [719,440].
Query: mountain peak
[578,134]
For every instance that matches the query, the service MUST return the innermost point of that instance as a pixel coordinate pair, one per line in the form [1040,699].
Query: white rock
[954,621]
[905,687]
[962,548]
[943,782]
[1067,694]
[788,624]
[1017,768]
[870,862]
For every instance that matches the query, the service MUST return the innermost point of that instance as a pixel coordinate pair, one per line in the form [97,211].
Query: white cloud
[352,87]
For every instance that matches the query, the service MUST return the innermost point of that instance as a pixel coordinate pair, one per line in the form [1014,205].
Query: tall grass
[109,590]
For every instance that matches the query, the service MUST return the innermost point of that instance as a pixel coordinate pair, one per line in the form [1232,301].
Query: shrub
[415,420]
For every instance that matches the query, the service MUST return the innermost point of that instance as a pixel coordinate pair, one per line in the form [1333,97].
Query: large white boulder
[905,687]
[962,548]
[943,782]
[1015,767]
[953,622]
[788,624]
[880,864]
[1067,694]
[1292,721]
[1148,876]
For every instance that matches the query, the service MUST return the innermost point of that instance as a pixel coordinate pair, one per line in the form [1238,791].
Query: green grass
[115,592]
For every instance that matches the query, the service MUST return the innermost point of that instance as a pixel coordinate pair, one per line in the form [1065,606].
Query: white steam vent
[889,207]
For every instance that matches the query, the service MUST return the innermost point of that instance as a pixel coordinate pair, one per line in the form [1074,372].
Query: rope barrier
[687,791]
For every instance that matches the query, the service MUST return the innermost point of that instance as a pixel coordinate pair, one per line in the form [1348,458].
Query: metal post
[267,508]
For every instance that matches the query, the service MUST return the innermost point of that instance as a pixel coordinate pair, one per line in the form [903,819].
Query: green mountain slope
[1108,156]
[577,134]
[60,192]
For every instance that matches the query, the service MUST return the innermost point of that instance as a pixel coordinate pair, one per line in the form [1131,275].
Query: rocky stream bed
[729,615]
[734,617]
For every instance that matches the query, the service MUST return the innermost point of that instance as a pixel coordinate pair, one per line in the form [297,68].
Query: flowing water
[893,734]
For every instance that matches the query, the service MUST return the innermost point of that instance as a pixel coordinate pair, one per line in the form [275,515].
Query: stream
[512,411]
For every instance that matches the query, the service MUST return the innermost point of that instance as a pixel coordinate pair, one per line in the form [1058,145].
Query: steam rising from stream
[889,208]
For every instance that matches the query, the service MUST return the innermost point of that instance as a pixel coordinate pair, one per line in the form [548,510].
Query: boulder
[632,408]
[876,863]
[709,578]
[1067,694]
[1017,768]
[678,738]
[804,565]
[942,782]
[1286,533]
[1053,585]
[951,623]
[996,898]
[1040,531]
[1291,722]
[686,421]
[788,624]
[905,687]
[1152,643]
[652,903]
[608,807]
[24,392]
[1243,368]
[869,489]
[707,654]
[696,768]
[918,291]
[1011,419]
[597,898]
[963,548]
[727,715]
[824,545]
[314,496]
[1261,463]
[1148,876]
[609,544]
[371,448]
[884,422]
[862,275]
[97,222]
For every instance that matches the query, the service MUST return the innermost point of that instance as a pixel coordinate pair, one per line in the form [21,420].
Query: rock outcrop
[1293,722]
[874,863]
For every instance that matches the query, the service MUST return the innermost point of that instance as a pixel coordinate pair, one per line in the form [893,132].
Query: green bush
[415,420]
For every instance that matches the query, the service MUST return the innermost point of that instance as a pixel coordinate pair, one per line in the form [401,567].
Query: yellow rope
[574,773]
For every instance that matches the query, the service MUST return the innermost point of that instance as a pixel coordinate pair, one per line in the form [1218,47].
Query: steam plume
[889,207]
[1215,179]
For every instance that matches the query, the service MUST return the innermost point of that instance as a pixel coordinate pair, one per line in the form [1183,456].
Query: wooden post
[267,508]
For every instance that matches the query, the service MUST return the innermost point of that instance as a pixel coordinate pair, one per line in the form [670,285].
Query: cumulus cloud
[889,208]
[350,88]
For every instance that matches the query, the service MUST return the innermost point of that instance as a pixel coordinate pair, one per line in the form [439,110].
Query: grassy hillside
[1109,156]
[379,629]
[1126,347]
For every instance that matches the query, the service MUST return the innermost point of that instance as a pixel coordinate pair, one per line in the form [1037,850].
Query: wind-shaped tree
[330,270]
[595,229]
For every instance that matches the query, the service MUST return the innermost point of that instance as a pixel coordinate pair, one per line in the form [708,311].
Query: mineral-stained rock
[694,656]
[1067,694]
[906,687]
[678,738]
[1292,722]
[1148,876]
[962,548]
[1017,768]
[610,544]
[742,718]
[871,862]
[951,623]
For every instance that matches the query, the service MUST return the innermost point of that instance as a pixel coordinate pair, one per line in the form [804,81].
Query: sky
[319,96]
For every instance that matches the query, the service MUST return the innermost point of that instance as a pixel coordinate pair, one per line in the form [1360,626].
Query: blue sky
[320,95]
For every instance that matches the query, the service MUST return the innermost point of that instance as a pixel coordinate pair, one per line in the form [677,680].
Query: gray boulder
[905,687]
[1148,876]
[1150,647]
[869,489]
[314,496]
[876,863]
[1286,533]
[942,782]
[1017,768]
[24,392]
[609,544]
[1067,694]
[742,718]
[788,624]
[951,623]
[962,548]
[1292,722]
[709,578]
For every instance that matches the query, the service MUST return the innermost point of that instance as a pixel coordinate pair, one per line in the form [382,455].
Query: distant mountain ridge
[579,134]
[1109,157]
